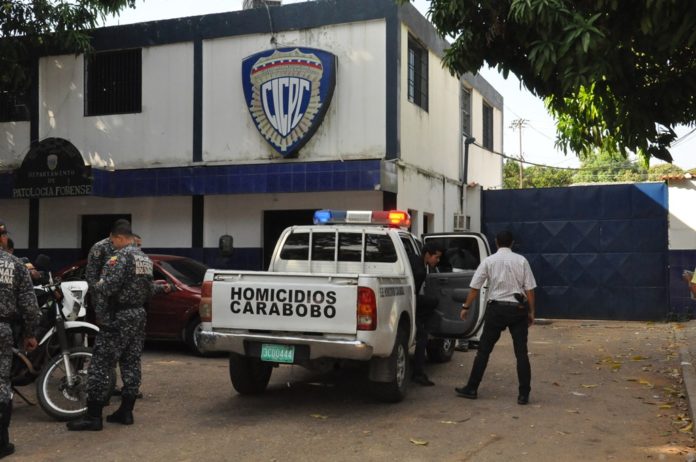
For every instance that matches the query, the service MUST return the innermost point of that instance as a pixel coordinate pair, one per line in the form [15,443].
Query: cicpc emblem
[288,91]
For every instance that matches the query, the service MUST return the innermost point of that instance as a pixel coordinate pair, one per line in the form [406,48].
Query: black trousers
[425,307]
[497,318]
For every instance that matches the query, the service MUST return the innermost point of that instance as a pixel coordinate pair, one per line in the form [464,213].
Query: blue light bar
[322,217]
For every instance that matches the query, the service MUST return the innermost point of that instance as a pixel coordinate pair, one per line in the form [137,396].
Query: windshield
[187,271]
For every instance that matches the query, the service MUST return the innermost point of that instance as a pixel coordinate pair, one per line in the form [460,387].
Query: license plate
[275,353]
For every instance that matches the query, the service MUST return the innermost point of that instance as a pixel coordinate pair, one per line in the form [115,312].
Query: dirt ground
[600,391]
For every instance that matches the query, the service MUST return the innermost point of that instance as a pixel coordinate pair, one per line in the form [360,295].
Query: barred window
[417,74]
[14,107]
[487,126]
[466,112]
[113,82]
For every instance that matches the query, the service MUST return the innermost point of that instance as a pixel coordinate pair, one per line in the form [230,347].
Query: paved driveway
[601,391]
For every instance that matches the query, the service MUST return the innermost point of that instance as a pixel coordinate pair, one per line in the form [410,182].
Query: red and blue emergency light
[392,218]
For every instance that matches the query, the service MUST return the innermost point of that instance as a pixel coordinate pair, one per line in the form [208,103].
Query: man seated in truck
[425,306]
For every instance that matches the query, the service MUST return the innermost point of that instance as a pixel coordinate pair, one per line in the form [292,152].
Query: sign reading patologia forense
[53,167]
[288,91]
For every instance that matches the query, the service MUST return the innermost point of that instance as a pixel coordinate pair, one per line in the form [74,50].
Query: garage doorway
[97,227]
[275,221]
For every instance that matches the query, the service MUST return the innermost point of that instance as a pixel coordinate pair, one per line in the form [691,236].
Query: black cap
[121,227]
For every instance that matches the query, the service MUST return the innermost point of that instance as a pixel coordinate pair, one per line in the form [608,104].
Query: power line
[574,169]
[684,138]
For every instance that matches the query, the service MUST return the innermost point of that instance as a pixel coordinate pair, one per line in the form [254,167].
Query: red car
[172,316]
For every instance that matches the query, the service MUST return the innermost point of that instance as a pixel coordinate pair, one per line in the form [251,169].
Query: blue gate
[597,252]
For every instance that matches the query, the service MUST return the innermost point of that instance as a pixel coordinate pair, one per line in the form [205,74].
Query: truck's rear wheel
[399,371]
[249,376]
[440,350]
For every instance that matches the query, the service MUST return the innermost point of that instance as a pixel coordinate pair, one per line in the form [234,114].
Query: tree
[27,26]
[618,75]
[609,167]
[534,176]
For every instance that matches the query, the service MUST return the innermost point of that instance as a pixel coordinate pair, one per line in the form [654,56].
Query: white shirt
[507,273]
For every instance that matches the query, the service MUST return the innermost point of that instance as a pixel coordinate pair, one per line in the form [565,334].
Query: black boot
[91,421]
[6,448]
[124,414]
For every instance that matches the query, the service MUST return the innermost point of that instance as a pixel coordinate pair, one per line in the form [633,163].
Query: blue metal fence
[597,252]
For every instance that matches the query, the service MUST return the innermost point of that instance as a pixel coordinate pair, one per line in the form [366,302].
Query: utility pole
[519,124]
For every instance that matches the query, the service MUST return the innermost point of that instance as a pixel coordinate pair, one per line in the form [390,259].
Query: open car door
[462,253]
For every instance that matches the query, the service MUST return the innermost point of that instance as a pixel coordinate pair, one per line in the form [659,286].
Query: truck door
[462,253]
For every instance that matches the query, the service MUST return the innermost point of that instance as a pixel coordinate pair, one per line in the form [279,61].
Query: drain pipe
[465,173]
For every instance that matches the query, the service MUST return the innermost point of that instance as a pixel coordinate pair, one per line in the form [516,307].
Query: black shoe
[523,399]
[462,346]
[422,379]
[85,423]
[124,414]
[121,416]
[467,393]
[6,450]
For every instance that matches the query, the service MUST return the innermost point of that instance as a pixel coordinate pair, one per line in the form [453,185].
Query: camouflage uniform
[98,255]
[127,284]
[17,300]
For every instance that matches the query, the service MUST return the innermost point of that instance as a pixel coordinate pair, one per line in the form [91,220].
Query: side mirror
[226,245]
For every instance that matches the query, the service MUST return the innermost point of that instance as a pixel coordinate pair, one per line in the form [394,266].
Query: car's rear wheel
[249,376]
[191,336]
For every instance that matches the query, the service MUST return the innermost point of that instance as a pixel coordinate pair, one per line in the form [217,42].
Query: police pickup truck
[341,289]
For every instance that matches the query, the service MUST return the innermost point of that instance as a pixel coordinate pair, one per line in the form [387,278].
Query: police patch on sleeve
[112,261]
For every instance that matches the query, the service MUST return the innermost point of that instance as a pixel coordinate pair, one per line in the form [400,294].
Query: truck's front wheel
[399,371]
[249,376]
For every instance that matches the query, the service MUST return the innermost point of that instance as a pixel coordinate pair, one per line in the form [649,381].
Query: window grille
[14,107]
[487,126]
[417,74]
[113,82]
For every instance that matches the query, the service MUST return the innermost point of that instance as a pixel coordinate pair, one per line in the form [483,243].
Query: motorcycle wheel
[56,397]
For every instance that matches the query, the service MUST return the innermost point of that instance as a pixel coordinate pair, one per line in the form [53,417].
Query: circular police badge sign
[288,91]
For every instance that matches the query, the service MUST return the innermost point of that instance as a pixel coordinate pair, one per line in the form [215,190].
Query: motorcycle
[62,358]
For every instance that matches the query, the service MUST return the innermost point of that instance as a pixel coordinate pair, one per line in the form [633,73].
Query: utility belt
[503,303]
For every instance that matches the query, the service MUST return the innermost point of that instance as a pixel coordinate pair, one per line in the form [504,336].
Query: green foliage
[617,75]
[534,176]
[595,168]
[608,167]
[28,26]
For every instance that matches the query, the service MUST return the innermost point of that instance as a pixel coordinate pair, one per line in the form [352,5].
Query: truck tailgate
[286,302]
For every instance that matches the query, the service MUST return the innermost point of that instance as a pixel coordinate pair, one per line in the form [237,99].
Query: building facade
[243,123]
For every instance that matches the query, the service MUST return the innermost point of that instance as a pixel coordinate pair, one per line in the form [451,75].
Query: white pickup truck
[341,289]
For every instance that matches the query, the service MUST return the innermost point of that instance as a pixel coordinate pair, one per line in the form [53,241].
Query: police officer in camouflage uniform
[17,300]
[96,259]
[127,283]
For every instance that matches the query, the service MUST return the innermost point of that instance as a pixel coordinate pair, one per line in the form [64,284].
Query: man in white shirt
[509,276]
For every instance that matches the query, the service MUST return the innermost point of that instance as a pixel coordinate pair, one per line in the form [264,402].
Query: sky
[538,134]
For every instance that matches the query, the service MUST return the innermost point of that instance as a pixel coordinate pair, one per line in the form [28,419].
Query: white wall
[242,215]
[14,144]
[160,221]
[428,195]
[15,214]
[162,134]
[354,126]
[682,219]
[485,168]
[430,139]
